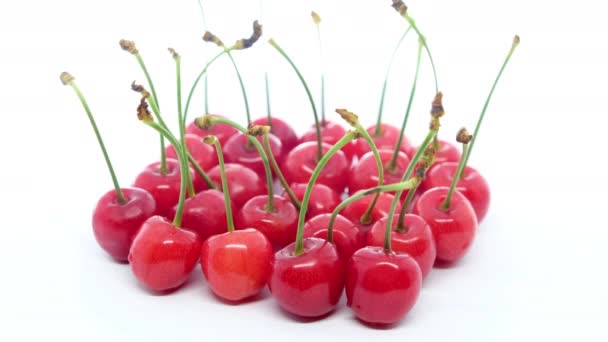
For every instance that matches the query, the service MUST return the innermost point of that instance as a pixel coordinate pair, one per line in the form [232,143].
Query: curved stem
[242,85]
[119,193]
[277,171]
[267,90]
[201,172]
[348,137]
[406,204]
[367,216]
[206,93]
[378,130]
[225,189]
[459,172]
[413,25]
[320,42]
[308,93]
[180,122]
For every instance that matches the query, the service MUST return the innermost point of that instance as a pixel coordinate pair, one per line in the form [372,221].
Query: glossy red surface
[243,183]
[204,154]
[454,229]
[222,131]
[364,174]
[302,160]
[347,237]
[417,241]
[355,210]
[281,130]
[237,150]
[322,198]
[381,288]
[204,214]
[279,226]
[308,285]
[237,265]
[331,132]
[162,256]
[115,224]
[386,140]
[472,185]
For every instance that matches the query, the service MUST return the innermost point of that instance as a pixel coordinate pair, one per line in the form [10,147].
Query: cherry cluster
[361,210]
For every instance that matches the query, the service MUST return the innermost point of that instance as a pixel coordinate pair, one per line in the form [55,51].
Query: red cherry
[347,237]
[322,198]
[162,256]
[237,264]
[387,140]
[299,164]
[163,187]
[310,284]
[205,214]
[203,154]
[381,287]
[243,183]
[115,224]
[222,132]
[238,150]
[453,229]
[472,185]
[417,241]
[279,226]
[330,133]
[281,130]
[447,152]
[364,174]
[355,210]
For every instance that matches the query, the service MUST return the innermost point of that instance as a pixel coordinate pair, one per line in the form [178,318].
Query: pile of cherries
[361,209]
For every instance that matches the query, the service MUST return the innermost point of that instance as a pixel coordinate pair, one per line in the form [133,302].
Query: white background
[537,268]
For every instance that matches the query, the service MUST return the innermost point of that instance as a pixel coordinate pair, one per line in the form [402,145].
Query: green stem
[206,93]
[378,130]
[406,204]
[348,137]
[266,88]
[119,193]
[459,171]
[201,172]
[180,122]
[242,85]
[308,93]
[413,25]
[320,42]
[367,216]
[277,171]
[226,191]
[393,163]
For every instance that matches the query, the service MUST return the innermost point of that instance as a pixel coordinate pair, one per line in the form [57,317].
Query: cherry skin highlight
[454,229]
[238,150]
[279,226]
[237,265]
[243,183]
[472,185]
[322,198]
[204,214]
[202,153]
[347,237]
[417,241]
[330,133]
[281,130]
[364,174]
[355,210]
[115,224]
[308,285]
[299,164]
[162,256]
[387,140]
[381,288]
[163,187]
[221,131]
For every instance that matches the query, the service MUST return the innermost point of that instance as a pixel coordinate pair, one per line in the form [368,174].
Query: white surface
[537,267]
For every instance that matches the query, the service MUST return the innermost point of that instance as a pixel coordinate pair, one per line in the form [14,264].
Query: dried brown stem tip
[174,53]
[211,38]
[129,46]
[66,78]
[437,110]
[140,89]
[246,43]
[400,7]
[204,122]
[349,117]
[356,134]
[516,40]
[315,17]
[463,136]
[210,139]
[143,114]
[258,130]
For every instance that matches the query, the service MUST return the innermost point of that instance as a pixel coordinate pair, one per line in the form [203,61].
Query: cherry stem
[212,140]
[409,184]
[206,93]
[242,85]
[180,122]
[347,138]
[201,172]
[459,171]
[422,38]
[267,90]
[393,163]
[212,120]
[308,93]
[277,171]
[119,193]
[378,130]
[317,21]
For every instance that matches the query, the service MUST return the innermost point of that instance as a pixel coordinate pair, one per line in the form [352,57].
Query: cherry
[222,132]
[120,212]
[364,174]
[382,287]
[415,239]
[240,151]
[346,235]
[356,210]
[243,183]
[385,138]
[322,198]
[447,152]
[202,153]
[453,229]
[204,214]
[236,264]
[472,185]
[281,130]
[330,132]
